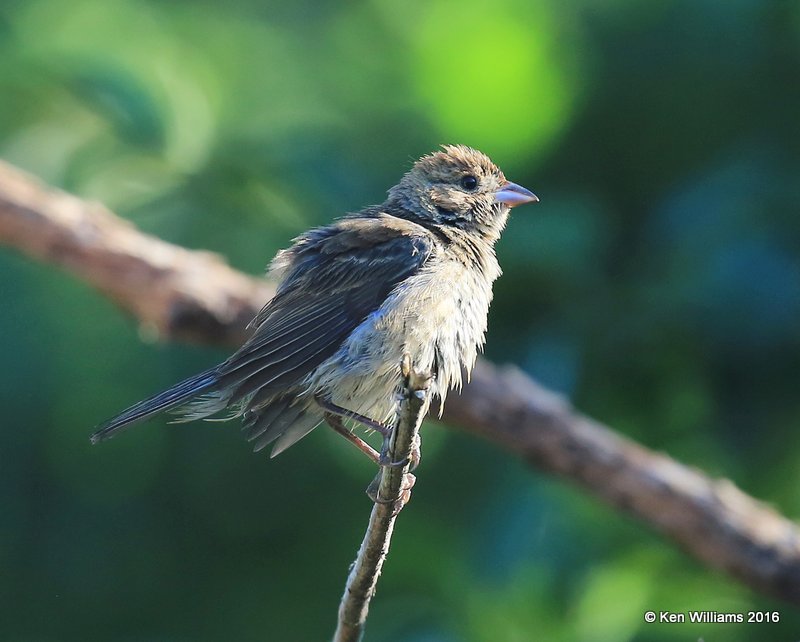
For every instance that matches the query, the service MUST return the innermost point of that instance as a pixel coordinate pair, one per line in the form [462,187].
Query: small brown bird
[411,276]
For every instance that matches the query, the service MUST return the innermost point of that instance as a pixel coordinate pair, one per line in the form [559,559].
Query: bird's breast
[437,316]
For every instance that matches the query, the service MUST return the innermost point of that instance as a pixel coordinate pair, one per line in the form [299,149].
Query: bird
[412,276]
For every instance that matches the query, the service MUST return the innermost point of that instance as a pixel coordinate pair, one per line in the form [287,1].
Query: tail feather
[178,395]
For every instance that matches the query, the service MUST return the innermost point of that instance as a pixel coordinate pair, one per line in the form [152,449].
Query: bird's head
[460,187]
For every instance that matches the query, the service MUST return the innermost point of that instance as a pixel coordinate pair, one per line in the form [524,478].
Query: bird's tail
[176,396]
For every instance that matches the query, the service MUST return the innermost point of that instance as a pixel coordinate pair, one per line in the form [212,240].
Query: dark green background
[657,284]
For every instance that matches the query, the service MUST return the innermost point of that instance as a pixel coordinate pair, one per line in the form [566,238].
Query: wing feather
[332,284]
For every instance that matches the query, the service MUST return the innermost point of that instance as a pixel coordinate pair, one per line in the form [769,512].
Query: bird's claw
[412,460]
[401,500]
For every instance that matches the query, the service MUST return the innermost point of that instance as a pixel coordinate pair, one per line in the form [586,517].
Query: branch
[389,500]
[710,519]
[195,295]
[174,292]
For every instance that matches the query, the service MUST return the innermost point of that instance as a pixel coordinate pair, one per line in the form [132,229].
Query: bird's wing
[335,277]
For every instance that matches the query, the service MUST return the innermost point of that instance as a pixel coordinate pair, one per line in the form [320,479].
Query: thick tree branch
[709,518]
[195,295]
[178,293]
[389,500]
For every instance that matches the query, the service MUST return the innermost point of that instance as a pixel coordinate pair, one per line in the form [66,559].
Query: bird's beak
[512,194]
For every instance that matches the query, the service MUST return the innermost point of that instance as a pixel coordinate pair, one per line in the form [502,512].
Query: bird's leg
[332,408]
[335,422]
[382,458]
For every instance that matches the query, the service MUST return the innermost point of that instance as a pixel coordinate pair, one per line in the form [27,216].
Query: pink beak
[512,194]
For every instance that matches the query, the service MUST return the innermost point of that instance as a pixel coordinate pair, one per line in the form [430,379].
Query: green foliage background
[657,284]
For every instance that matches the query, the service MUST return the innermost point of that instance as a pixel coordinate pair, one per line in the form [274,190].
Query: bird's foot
[412,460]
[373,492]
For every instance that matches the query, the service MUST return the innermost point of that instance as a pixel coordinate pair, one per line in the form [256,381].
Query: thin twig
[193,295]
[391,496]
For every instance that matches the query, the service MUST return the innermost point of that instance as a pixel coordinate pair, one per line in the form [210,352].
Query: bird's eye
[469,182]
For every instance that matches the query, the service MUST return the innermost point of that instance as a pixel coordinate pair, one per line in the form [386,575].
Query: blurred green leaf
[493,78]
